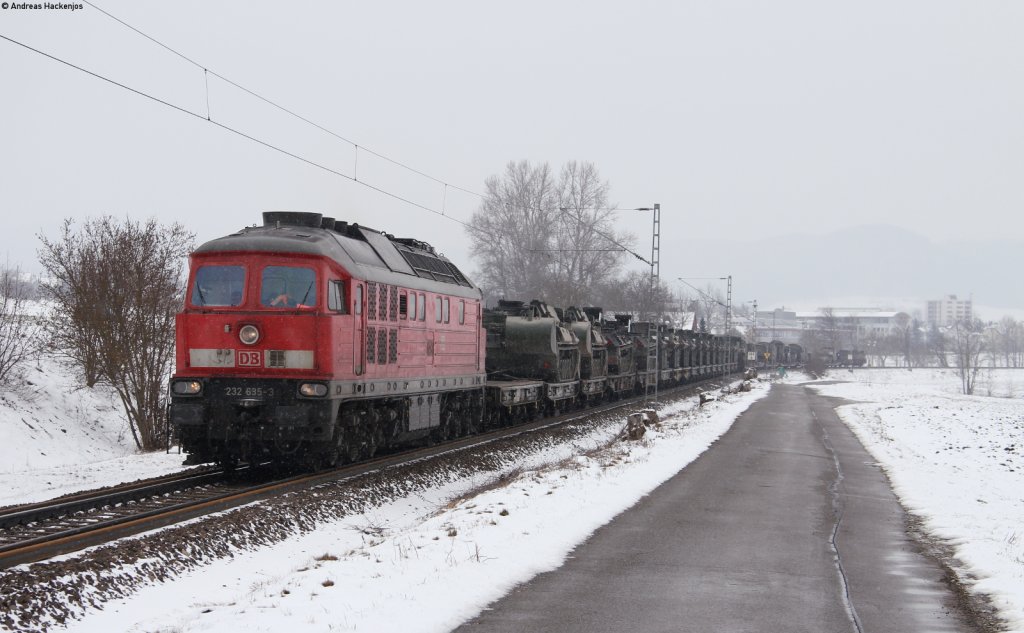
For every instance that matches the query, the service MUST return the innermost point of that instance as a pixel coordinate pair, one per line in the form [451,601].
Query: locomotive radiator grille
[392,346]
[393,303]
[371,300]
[371,345]
[382,304]
[382,346]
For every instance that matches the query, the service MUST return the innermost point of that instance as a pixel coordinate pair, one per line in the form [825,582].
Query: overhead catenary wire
[235,131]
[354,178]
[702,293]
[324,129]
[280,107]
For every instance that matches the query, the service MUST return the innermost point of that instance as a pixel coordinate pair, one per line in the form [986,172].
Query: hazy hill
[873,261]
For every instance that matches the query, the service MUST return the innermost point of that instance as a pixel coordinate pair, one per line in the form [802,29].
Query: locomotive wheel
[354,450]
[328,459]
[469,424]
[448,428]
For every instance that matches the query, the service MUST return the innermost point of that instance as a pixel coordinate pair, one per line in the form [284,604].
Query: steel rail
[95,499]
[104,531]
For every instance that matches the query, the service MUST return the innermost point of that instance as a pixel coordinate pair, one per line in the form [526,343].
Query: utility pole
[655,272]
[728,307]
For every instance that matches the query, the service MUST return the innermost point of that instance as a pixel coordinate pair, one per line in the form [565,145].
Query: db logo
[247,358]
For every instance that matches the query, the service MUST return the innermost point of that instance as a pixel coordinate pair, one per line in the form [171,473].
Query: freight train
[313,341]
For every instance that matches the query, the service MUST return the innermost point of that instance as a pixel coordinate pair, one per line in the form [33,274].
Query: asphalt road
[784,525]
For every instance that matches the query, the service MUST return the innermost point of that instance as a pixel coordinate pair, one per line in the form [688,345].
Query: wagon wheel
[493,418]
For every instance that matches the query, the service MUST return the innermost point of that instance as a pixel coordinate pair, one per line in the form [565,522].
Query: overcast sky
[743,119]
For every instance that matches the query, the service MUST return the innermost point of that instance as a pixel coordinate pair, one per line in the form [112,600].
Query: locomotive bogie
[557,392]
[593,387]
[621,384]
[510,393]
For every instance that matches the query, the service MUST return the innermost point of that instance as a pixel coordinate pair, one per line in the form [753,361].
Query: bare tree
[937,345]
[587,246]
[914,344]
[830,331]
[116,287]
[17,345]
[711,307]
[1008,335]
[636,295]
[968,342]
[878,345]
[534,236]
[511,233]
[901,338]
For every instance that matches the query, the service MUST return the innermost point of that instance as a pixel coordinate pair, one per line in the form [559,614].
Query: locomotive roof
[364,252]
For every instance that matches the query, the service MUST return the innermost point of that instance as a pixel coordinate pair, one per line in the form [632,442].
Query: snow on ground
[435,559]
[59,438]
[956,461]
[432,560]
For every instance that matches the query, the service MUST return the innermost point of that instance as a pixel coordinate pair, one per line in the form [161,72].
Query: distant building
[855,327]
[949,310]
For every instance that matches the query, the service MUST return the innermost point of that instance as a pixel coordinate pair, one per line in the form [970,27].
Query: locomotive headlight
[186,387]
[249,334]
[313,389]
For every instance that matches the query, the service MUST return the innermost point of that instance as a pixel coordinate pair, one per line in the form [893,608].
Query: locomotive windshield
[218,286]
[288,287]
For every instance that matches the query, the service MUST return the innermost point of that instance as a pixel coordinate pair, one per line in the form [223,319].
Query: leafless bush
[17,344]
[116,287]
[968,342]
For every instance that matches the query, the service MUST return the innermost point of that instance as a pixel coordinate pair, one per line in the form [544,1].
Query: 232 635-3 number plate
[249,392]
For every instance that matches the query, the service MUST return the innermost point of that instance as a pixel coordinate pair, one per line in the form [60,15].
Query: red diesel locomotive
[309,340]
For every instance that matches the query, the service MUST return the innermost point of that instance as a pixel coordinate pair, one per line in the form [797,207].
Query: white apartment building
[949,310]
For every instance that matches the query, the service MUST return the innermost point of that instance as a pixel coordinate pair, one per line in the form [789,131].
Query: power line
[355,177]
[280,107]
[565,210]
[236,131]
[252,138]
[701,292]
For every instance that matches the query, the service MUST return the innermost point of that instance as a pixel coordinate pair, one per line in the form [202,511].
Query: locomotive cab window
[444,310]
[220,286]
[336,297]
[288,287]
[423,307]
[357,304]
[462,312]
[437,309]
[412,306]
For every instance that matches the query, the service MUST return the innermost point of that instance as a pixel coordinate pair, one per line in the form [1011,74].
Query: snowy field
[431,560]
[955,461]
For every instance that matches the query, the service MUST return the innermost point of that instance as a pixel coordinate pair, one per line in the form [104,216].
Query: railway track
[36,532]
